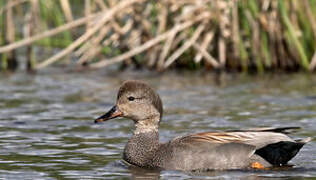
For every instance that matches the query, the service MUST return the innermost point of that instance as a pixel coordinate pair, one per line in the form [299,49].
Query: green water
[47,129]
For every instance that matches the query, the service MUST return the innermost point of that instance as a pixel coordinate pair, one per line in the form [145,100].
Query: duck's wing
[258,139]
[284,130]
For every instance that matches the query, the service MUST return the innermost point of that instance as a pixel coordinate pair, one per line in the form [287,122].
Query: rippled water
[47,129]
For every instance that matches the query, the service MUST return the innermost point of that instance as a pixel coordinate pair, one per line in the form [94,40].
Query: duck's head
[137,101]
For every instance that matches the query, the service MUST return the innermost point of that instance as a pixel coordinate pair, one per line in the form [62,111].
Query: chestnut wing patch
[214,137]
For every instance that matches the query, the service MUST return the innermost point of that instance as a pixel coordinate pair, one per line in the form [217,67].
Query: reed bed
[234,35]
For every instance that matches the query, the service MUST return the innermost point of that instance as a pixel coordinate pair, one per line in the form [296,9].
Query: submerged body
[204,151]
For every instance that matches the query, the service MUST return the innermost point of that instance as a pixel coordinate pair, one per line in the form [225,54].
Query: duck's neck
[142,146]
[145,127]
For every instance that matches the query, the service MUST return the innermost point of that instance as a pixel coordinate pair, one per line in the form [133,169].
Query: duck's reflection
[141,173]
[277,173]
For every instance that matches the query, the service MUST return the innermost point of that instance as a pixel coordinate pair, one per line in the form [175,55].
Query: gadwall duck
[254,148]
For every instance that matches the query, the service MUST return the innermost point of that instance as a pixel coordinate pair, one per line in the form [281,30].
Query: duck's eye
[131,98]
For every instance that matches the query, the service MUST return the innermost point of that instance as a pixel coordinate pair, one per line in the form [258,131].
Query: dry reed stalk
[153,54]
[162,16]
[185,46]
[275,33]
[112,39]
[88,56]
[222,51]
[10,31]
[27,34]
[265,5]
[66,9]
[94,43]
[130,53]
[165,50]
[223,11]
[135,38]
[205,44]
[87,12]
[67,12]
[105,18]
[162,25]
[210,59]
[82,49]
[87,48]
[313,62]
[32,22]
[293,14]
[255,40]
[280,50]
[10,36]
[152,57]
[148,44]
[35,14]
[145,23]
[116,27]
[48,33]
[101,4]
[128,26]
[162,19]
[235,29]
[104,30]
[179,39]
[12,4]
[92,47]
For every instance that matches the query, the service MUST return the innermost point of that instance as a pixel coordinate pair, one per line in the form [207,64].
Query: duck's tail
[303,141]
[278,154]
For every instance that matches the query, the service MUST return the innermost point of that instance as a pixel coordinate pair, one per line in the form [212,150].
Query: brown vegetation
[215,34]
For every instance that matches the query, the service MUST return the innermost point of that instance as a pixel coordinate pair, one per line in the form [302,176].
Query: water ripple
[47,129]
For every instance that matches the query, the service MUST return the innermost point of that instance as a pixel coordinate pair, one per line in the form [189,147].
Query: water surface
[47,129]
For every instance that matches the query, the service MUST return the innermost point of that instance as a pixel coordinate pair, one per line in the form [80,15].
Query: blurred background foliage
[232,35]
